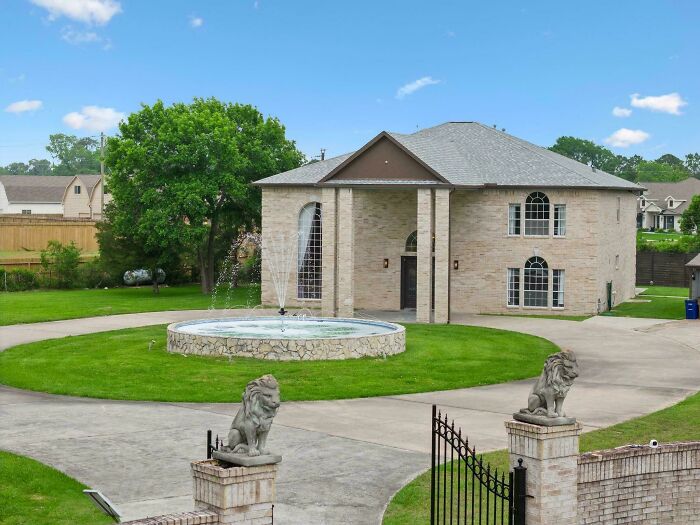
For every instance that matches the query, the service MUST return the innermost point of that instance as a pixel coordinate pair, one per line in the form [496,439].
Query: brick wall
[197,517]
[640,485]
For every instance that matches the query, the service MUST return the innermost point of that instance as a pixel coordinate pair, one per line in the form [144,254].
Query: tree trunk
[203,279]
[154,280]
[207,258]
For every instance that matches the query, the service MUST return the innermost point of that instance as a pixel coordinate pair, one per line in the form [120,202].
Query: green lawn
[32,493]
[660,236]
[656,307]
[666,291]
[52,305]
[680,422]
[118,365]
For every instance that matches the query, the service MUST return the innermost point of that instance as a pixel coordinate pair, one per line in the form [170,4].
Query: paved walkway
[343,460]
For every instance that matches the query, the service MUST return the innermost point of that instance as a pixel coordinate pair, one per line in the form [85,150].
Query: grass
[118,365]
[680,422]
[660,236]
[32,493]
[659,305]
[52,305]
[548,316]
[666,291]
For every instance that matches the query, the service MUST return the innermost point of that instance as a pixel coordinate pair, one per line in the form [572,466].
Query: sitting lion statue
[547,396]
[251,425]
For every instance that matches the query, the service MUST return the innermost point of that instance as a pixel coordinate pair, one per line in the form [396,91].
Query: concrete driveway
[343,460]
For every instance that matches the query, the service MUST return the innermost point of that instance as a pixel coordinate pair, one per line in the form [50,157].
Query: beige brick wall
[640,485]
[280,218]
[383,219]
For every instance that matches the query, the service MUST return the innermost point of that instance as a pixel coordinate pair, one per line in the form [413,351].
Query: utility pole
[323,153]
[102,173]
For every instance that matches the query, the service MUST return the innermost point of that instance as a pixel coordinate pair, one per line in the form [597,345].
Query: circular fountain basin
[287,339]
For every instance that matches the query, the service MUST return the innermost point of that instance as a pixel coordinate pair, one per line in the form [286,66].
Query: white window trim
[554,234]
[563,289]
[520,220]
[520,287]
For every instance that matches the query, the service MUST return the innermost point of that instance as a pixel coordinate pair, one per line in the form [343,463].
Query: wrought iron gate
[465,490]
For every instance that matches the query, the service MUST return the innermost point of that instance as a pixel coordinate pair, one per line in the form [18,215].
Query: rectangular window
[536,286]
[76,190]
[26,212]
[514,219]
[558,288]
[559,220]
[619,202]
[513,286]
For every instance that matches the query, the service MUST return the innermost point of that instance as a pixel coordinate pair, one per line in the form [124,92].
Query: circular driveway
[343,460]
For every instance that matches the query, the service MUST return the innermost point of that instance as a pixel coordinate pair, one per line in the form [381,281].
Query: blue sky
[333,71]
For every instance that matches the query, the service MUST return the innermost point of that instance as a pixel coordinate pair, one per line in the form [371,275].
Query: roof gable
[383,159]
[35,188]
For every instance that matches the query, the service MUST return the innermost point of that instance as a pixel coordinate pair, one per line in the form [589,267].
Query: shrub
[92,274]
[61,261]
[250,270]
[18,280]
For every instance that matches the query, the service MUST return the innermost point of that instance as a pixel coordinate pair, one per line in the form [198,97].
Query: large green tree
[181,175]
[690,220]
[74,155]
[655,171]
[692,164]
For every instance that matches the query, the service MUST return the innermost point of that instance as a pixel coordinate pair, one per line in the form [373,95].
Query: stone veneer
[636,484]
[380,345]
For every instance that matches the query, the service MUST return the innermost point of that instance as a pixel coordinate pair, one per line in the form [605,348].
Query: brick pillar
[328,217]
[345,262]
[240,495]
[551,457]
[442,256]
[424,255]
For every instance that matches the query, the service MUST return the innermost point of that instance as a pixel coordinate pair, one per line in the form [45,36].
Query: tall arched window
[309,263]
[537,214]
[536,282]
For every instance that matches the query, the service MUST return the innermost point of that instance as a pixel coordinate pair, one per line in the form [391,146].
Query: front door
[408,282]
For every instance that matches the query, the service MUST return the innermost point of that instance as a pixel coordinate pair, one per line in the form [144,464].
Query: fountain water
[299,337]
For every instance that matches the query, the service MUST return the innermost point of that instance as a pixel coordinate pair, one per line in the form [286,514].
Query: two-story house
[457,218]
[662,203]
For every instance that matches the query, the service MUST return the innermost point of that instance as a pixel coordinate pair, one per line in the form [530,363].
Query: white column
[442,256]
[328,218]
[424,256]
[345,262]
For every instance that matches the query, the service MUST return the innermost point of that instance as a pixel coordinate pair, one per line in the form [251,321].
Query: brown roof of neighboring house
[683,190]
[35,188]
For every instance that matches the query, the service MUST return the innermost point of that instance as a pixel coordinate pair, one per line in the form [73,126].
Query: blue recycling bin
[691,309]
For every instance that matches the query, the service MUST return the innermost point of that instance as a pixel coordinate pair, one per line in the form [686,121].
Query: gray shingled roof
[472,155]
[683,190]
[35,188]
[89,181]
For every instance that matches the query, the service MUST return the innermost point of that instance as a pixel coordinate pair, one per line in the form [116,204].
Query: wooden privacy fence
[34,233]
[663,269]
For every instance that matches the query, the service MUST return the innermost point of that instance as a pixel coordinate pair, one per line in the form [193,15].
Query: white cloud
[19,78]
[671,103]
[414,86]
[94,118]
[89,11]
[77,37]
[23,106]
[621,112]
[624,138]
[196,21]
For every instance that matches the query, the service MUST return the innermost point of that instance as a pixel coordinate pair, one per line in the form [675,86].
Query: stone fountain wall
[288,349]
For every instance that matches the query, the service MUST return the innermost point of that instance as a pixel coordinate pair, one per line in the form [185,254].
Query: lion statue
[547,396]
[252,423]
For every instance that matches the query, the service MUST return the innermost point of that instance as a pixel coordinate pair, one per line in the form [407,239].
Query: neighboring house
[66,196]
[663,203]
[458,218]
[84,197]
[32,194]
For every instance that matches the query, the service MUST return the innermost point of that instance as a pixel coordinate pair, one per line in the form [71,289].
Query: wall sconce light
[386,263]
[455,264]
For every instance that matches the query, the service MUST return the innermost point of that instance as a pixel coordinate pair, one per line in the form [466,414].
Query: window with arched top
[536,282]
[309,262]
[537,214]
[412,242]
